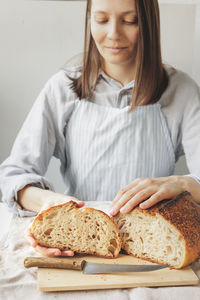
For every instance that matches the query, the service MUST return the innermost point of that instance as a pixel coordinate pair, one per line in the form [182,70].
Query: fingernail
[123,210]
[69,252]
[142,205]
[112,211]
[34,245]
[57,253]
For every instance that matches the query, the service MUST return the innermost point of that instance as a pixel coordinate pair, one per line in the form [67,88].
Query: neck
[121,73]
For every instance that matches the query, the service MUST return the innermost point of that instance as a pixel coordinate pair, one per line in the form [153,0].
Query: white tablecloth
[19,283]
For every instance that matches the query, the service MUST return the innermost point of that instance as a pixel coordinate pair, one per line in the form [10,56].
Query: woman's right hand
[51,252]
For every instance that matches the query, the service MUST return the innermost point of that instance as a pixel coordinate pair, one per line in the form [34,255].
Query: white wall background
[38,37]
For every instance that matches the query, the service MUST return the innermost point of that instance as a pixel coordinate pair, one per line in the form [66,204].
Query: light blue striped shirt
[100,145]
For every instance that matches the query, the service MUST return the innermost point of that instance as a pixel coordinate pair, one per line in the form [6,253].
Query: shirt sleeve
[40,138]
[181,107]
[191,132]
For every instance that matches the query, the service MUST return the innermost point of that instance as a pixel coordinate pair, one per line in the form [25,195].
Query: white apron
[107,148]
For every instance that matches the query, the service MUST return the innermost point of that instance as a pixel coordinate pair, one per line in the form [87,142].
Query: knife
[87,267]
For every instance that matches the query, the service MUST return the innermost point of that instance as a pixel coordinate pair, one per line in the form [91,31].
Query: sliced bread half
[167,233]
[86,230]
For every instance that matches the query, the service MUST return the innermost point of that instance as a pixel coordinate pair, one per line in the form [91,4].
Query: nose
[113,30]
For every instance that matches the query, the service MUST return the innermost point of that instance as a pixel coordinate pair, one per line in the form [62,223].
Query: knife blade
[87,267]
[97,268]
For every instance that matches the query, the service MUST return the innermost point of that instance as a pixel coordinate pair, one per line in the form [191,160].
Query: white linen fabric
[101,146]
[19,283]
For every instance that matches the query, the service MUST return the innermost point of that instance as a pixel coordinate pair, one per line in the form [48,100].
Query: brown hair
[150,80]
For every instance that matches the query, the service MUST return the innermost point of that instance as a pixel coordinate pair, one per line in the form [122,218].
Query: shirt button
[123,92]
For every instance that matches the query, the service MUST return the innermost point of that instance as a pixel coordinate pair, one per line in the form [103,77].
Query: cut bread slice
[86,230]
[167,233]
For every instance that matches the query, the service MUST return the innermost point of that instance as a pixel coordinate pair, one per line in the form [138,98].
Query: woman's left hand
[149,191]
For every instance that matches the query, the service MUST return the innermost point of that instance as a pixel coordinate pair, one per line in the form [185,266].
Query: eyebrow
[123,13]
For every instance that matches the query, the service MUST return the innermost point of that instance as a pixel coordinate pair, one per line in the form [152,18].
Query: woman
[118,122]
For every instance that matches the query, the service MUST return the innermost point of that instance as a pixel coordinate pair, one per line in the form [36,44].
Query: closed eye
[124,22]
[130,23]
[103,21]
[133,21]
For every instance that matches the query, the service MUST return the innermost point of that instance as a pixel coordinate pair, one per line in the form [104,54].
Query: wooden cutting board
[65,280]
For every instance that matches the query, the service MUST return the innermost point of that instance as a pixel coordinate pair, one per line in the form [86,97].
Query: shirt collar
[114,82]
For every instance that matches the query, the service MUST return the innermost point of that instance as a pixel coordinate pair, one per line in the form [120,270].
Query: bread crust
[75,206]
[40,215]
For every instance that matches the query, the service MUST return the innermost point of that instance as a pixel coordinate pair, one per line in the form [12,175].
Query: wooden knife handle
[54,262]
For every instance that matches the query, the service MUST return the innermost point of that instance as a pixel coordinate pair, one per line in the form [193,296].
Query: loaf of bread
[86,230]
[167,233]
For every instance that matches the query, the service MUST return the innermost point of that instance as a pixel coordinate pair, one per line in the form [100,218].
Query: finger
[50,252]
[139,197]
[157,197]
[67,253]
[131,199]
[121,202]
[79,202]
[31,241]
[124,191]
[122,197]
[29,238]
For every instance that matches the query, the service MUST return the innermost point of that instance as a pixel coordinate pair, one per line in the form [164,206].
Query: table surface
[17,282]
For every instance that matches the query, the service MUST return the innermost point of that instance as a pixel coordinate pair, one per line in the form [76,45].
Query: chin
[117,61]
[116,58]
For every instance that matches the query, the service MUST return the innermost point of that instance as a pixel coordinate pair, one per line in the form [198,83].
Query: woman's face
[114,28]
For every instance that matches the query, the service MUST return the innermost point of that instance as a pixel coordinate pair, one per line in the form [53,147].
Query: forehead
[113,6]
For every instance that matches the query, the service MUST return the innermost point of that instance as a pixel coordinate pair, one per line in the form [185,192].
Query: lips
[118,47]
[115,50]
